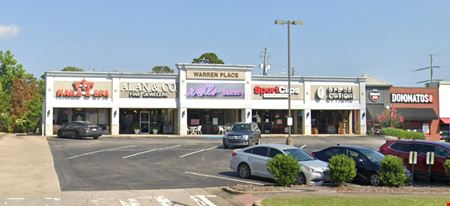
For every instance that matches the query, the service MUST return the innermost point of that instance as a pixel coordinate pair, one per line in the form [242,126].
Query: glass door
[145,121]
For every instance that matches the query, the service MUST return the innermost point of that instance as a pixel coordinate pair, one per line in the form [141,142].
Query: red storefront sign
[82,88]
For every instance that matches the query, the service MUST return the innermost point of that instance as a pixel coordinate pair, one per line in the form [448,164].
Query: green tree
[209,58]
[162,69]
[20,98]
[72,69]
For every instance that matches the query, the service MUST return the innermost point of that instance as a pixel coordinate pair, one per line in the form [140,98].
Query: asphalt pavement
[161,163]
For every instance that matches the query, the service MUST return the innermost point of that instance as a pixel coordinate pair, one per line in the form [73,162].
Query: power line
[431,67]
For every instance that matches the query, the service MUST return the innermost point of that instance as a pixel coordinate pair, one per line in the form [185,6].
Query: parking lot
[160,163]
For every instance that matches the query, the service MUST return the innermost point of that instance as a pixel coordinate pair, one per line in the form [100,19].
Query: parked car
[445,136]
[401,148]
[367,160]
[242,134]
[80,129]
[253,161]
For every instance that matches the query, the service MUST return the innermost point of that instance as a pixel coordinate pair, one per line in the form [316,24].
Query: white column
[307,122]
[182,121]
[115,110]
[115,114]
[350,122]
[48,121]
[363,122]
[246,115]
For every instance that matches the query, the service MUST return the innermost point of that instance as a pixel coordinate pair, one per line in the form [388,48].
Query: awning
[445,120]
[374,110]
[418,114]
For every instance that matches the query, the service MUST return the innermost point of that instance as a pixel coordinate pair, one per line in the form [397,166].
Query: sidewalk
[27,167]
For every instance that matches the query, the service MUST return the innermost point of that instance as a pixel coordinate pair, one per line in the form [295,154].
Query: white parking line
[303,146]
[202,150]
[103,150]
[139,153]
[224,178]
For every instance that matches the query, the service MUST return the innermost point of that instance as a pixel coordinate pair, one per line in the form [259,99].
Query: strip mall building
[210,96]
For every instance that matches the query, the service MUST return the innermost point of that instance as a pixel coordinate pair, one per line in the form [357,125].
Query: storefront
[118,102]
[215,96]
[270,104]
[204,99]
[377,100]
[419,108]
[337,107]
[444,108]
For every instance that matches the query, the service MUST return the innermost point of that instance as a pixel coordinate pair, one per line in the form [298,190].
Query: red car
[401,148]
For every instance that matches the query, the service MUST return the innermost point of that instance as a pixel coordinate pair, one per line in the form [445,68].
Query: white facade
[235,81]
[444,99]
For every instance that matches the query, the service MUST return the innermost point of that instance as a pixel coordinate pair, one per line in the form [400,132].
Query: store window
[212,120]
[100,117]
[147,121]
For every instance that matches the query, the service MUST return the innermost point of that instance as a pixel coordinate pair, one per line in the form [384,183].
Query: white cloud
[8,31]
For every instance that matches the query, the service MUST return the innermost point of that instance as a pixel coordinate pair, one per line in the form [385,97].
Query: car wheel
[374,180]
[96,137]
[59,134]
[301,179]
[225,146]
[244,170]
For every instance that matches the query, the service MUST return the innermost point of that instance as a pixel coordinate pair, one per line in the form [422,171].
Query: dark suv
[367,161]
[242,134]
[401,148]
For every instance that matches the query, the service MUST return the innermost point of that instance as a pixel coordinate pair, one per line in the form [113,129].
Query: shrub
[402,134]
[342,169]
[284,169]
[392,171]
[447,167]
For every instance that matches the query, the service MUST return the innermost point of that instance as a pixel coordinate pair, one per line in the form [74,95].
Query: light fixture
[363,115]
[307,114]
[48,113]
[248,114]
[115,113]
[183,113]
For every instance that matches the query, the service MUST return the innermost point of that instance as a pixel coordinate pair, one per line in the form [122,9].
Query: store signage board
[147,90]
[331,93]
[215,75]
[289,121]
[275,92]
[82,88]
[411,98]
[215,91]
[374,95]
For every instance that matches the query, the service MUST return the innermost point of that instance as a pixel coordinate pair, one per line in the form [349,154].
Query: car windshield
[372,155]
[240,127]
[299,154]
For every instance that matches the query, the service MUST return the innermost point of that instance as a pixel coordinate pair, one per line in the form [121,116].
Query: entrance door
[145,121]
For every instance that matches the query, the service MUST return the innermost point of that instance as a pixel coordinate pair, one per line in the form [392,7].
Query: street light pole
[289,120]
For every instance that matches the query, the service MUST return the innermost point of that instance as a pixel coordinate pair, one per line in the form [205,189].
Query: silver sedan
[253,161]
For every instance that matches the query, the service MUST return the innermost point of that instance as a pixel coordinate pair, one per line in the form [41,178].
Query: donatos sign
[82,88]
[412,98]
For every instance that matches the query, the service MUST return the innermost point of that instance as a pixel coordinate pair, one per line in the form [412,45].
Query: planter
[137,131]
[155,131]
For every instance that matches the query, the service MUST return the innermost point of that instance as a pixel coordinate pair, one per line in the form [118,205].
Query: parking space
[158,163]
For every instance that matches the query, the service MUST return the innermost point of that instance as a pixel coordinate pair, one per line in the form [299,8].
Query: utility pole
[431,67]
[265,66]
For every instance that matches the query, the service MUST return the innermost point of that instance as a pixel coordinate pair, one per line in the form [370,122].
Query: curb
[232,191]
[257,203]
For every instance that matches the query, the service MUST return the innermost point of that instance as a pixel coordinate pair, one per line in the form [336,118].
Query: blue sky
[387,39]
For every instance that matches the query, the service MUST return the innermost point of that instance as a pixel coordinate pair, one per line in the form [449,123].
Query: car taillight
[233,154]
